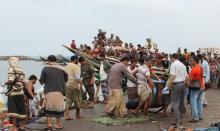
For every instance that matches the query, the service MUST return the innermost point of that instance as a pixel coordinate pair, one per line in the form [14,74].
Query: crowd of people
[142,66]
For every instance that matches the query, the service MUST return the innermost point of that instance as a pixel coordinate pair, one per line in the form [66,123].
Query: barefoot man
[73,88]
[116,104]
[145,86]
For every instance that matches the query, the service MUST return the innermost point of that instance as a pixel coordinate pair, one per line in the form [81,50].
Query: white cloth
[103,74]
[165,90]
[107,48]
[129,83]
[178,69]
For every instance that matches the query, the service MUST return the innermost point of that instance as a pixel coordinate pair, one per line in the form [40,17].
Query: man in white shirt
[176,82]
[145,87]
[206,76]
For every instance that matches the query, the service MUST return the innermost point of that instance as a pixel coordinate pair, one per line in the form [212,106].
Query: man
[54,78]
[116,104]
[176,83]
[151,46]
[111,40]
[104,70]
[73,44]
[73,88]
[88,51]
[196,94]
[95,42]
[96,61]
[30,97]
[131,87]
[145,87]
[218,75]
[88,77]
[206,76]
[186,54]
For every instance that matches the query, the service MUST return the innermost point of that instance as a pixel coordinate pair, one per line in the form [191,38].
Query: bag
[195,85]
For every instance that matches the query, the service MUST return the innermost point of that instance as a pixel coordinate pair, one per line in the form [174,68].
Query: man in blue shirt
[206,76]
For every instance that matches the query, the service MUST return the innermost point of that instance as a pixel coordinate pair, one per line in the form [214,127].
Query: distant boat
[43,59]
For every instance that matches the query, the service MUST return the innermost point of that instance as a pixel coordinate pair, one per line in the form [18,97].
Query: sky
[40,27]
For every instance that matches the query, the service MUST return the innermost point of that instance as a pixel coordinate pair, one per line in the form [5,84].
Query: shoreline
[5,58]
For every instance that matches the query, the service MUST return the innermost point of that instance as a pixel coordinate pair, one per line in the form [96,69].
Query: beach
[211,113]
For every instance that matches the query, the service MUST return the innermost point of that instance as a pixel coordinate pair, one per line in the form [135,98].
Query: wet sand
[211,113]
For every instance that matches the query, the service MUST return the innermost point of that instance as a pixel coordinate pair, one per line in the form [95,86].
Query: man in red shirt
[73,44]
[196,93]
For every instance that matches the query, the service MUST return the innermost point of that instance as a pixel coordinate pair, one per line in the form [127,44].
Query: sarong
[16,107]
[116,103]
[54,104]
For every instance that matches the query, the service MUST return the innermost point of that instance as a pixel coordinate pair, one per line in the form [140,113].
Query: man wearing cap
[88,79]
[73,87]
[116,103]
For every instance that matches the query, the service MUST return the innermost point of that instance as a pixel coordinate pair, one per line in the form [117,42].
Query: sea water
[30,68]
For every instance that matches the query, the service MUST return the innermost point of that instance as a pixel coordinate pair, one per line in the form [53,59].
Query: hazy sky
[33,27]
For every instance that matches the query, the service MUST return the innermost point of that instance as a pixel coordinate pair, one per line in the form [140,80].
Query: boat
[43,59]
[157,100]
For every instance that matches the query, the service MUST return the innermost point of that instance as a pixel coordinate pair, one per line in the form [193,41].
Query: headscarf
[14,62]
[15,68]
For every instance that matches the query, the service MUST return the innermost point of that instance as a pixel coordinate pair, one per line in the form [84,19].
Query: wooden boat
[94,64]
[77,52]
[157,100]
[43,59]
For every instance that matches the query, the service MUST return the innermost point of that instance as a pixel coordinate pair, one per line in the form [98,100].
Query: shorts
[143,92]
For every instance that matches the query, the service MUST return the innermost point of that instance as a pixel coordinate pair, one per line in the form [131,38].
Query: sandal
[68,119]
[48,129]
[21,129]
[193,121]
[59,128]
